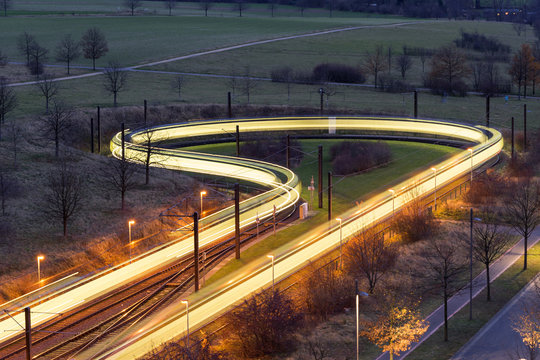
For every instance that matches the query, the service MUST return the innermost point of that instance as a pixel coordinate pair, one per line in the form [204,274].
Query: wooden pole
[524,127]
[288,152]
[123,143]
[145,111]
[415,104]
[28,333]
[92,135]
[237,219]
[487,111]
[98,130]
[237,140]
[512,138]
[320,177]
[329,196]
[229,105]
[196,248]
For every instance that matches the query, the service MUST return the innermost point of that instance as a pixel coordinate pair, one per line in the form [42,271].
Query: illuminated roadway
[283,189]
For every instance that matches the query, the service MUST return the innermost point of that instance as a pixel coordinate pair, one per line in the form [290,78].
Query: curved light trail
[283,188]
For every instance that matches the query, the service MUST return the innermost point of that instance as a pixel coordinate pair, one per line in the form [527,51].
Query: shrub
[482,43]
[388,84]
[282,74]
[273,150]
[329,72]
[487,186]
[264,324]
[442,87]
[413,222]
[351,157]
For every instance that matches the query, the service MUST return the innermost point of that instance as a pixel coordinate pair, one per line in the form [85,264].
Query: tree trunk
[123,192]
[65,227]
[445,317]
[3,206]
[114,94]
[56,145]
[525,238]
[488,285]
[68,65]
[94,63]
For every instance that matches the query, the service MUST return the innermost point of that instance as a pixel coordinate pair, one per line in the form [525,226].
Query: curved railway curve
[282,190]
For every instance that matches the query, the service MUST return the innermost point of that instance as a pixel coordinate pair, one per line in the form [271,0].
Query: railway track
[100,321]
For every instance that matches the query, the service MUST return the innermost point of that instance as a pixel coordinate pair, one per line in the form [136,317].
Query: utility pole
[329,196]
[487,111]
[288,152]
[196,248]
[28,333]
[321,91]
[229,105]
[123,144]
[237,140]
[470,268]
[237,219]
[320,177]
[512,138]
[92,135]
[415,104]
[98,130]
[524,127]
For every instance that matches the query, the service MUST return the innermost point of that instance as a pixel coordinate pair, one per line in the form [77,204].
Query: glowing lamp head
[185,302]
[392,191]
[469,150]
[131,222]
[203,192]
[338,219]
[270,256]
[40,257]
[434,169]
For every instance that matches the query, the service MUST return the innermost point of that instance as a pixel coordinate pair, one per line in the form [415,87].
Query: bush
[482,43]
[326,291]
[388,84]
[282,74]
[487,186]
[339,73]
[273,150]
[351,157]
[264,324]
[443,87]
[413,222]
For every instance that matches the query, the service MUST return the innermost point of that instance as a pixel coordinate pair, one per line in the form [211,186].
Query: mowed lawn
[139,39]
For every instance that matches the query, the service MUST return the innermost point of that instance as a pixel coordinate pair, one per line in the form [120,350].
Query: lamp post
[358,294]
[393,192]
[435,177]
[272,257]
[39,258]
[471,151]
[340,243]
[130,223]
[202,194]
[185,302]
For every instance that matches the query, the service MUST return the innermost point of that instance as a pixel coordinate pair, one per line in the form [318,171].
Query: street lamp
[130,223]
[358,294]
[272,257]
[187,321]
[340,243]
[435,177]
[39,258]
[202,194]
[471,151]
[393,192]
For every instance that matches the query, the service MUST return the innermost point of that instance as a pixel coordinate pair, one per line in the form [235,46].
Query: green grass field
[407,157]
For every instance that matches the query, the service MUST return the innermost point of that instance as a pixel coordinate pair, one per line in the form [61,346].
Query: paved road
[460,300]
[496,340]
[228,48]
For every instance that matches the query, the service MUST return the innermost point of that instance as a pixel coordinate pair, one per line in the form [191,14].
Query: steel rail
[206,305]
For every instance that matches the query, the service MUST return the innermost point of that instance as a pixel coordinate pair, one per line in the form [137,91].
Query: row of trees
[92,45]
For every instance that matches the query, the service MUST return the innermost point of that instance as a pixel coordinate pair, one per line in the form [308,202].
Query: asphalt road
[497,340]
[461,299]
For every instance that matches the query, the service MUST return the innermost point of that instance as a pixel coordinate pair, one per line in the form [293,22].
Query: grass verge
[461,329]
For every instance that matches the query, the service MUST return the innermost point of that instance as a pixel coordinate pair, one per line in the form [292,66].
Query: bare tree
[444,266]
[233,81]
[367,254]
[9,188]
[522,68]
[48,88]
[272,6]
[178,85]
[248,83]
[170,5]
[240,6]
[423,57]
[56,124]
[38,55]
[24,44]
[375,62]
[414,222]
[489,242]
[67,50]
[198,350]
[6,4]
[151,143]
[64,194]
[120,175]
[522,211]
[132,5]
[8,101]
[527,325]
[264,323]
[302,6]
[3,59]
[205,5]
[14,136]
[94,45]
[403,64]
[449,66]
[115,79]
